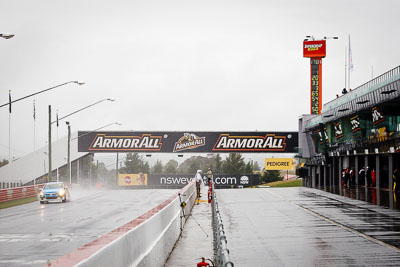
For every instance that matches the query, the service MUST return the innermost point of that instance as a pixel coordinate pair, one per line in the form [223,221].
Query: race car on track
[54,191]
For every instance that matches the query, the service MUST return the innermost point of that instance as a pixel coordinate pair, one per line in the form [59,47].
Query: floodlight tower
[315,50]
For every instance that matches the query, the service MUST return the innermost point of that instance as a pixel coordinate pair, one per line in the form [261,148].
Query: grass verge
[16,202]
[290,183]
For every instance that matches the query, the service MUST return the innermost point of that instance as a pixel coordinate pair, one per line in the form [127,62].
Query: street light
[117,123]
[49,137]
[106,99]
[69,154]
[69,144]
[6,35]
[50,123]
[9,103]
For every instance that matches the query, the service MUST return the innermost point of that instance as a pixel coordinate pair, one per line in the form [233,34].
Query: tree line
[233,164]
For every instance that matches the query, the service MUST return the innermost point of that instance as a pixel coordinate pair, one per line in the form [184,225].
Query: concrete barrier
[19,192]
[145,241]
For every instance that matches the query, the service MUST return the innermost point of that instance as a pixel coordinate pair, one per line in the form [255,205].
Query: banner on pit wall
[355,124]
[278,164]
[132,179]
[338,130]
[381,132]
[377,116]
[323,136]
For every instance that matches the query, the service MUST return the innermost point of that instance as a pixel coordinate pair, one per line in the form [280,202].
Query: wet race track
[264,226]
[34,233]
[307,227]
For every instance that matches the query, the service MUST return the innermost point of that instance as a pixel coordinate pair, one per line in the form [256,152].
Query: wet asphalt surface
[307,227]
[381,197]
[196,240]
[34,233]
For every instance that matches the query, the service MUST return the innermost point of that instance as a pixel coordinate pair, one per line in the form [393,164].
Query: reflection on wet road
[307,227]
[380,197]
[33,234]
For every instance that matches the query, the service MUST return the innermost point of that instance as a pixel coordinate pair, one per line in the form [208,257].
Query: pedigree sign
[278,164]
[314,49]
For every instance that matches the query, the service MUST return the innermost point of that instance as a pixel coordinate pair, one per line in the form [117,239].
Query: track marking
[370,238]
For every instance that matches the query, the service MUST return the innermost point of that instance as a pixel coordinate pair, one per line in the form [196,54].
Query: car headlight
[61,192]
[41,194]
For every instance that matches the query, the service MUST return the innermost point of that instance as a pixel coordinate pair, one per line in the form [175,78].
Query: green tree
[195,163]
[171,166]
[194,166]
[256,167]
[158,167]
[271,176]
[104,175]
[233,164]
[134,163]
[248,168]
[218,164]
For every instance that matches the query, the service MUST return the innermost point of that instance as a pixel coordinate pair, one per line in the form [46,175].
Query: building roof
[36,164]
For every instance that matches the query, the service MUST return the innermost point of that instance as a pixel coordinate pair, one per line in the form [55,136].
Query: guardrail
[15,193]
[380,81]
[145,241]
[222,251]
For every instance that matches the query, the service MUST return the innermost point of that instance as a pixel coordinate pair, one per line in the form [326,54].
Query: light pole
[105,99]
[8,36]
[69,144]
[69,154]
[9,103]
[51,122]
[49,137]
[117,123]
[116,171]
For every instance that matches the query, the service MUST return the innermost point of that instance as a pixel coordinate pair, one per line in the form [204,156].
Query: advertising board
[278,164]
[220,180]
[316,86]
[314,49]
[188,142]
[138,179]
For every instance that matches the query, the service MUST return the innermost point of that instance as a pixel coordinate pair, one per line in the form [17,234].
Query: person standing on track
[361,176]
[373,175]
[199,181]
[368,176]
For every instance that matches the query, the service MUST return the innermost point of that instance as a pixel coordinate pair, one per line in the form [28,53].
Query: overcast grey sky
[181,65]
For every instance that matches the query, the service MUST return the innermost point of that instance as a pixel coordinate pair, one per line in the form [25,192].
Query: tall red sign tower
[315,50]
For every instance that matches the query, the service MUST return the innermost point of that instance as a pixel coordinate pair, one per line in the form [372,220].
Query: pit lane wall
[146,241]
[15,193]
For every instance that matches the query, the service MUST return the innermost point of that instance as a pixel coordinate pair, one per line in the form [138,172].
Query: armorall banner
[188,142]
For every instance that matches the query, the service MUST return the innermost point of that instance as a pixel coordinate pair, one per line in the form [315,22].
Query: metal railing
[222,251]
[364,89]
[372,85]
